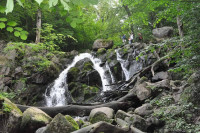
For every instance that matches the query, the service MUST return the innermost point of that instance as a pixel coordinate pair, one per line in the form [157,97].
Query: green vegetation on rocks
[72,121]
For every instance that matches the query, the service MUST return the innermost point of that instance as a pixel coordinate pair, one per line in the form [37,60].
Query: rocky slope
[152,99]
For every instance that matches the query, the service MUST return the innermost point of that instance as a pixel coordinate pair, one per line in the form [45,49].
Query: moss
[72,122]
[115,69]
[101,51]
[34,115]
[142,79]
[74,71]
[88,66]
[100,117]
[8,106]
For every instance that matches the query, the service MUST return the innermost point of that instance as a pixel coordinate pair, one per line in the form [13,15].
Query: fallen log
[78,110]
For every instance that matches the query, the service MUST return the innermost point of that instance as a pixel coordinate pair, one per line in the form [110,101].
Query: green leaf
[9,6]
[18,28]
[73,24]
[2,25]
[39,1]
[20,3]
[24,32]
[10,29]
[3,19]
[12,23]
[64,3]
[23,36]
[53,3]
[17,33]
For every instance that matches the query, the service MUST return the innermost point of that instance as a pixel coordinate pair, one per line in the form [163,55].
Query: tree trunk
[180,26]
[38,26]
[79,110]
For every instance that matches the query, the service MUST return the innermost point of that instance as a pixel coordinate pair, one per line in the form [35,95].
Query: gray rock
[59,124]
[137,121]
[41,130]
[101,127]
[160,76]
[5,71]
[144,110]
[122,115]
[11,55]
[101,114]
[102,43]
[18,70]
[34,118]
[142,91]
[163,32]
[12,124]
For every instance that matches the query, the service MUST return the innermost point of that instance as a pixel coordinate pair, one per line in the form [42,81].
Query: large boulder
[11,116]
[102,43]
[34,118]
[163,32]
[59,124]
[142,91]
[101,114]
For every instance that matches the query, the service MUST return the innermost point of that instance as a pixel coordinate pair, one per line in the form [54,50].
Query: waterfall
[56,96]
[123,65]
[111,74]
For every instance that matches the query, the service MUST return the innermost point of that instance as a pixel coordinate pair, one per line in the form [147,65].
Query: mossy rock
[101,51]
[11,115]
[34,118]
[72,121]
[100,116]
[60,124]
[9,107]
[88,66]
[74,70]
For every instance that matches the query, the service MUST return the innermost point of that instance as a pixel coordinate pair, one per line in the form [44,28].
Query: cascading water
[123,65]
[111,74]
[57,92]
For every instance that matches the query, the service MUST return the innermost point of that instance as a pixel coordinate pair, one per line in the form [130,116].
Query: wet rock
[34,118]
[102,43]
[101,114]
[163,32]
[144,110]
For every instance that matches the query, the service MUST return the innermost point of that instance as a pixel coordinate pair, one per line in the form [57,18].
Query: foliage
[10,26]
[41,55]
[7,95]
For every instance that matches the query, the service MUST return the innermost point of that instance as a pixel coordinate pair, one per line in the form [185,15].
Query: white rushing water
[123,65]
[111,74]
[57,92]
